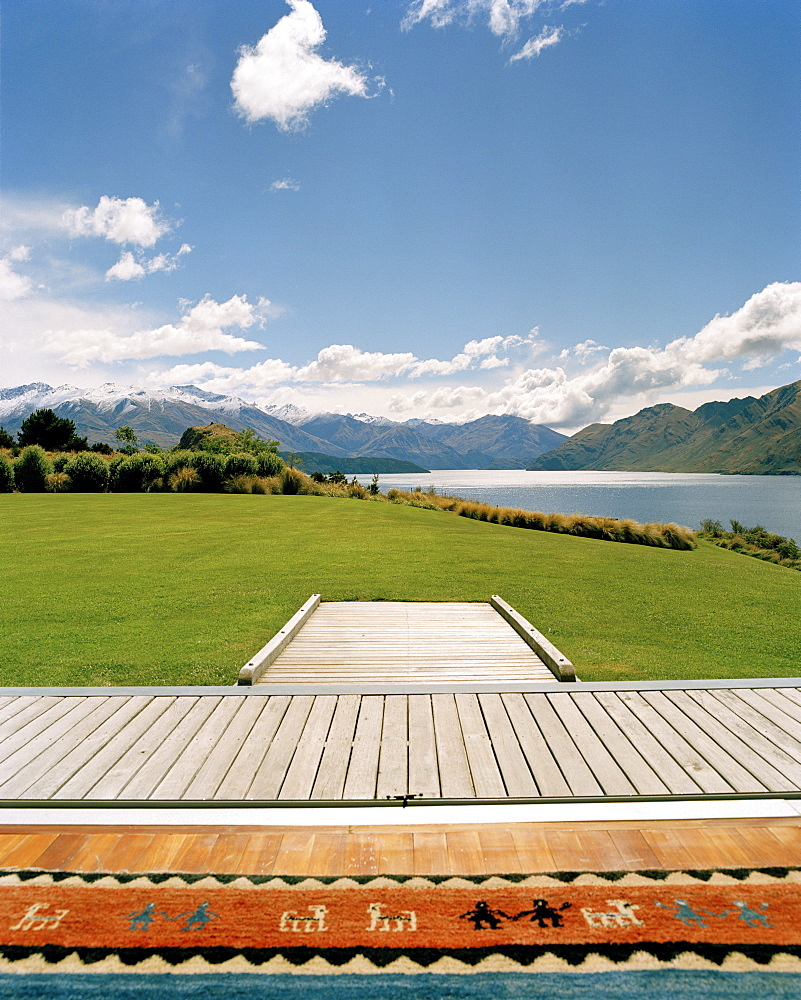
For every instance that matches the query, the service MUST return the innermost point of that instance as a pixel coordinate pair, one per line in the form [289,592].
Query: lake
[685,498]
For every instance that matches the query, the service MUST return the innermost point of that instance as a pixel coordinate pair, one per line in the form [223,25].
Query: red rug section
[269,916]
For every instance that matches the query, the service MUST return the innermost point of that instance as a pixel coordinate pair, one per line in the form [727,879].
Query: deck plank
[423,760]
[574,767]
[517,777]
[270,774]
[454,771]
[487,779]
[333,770]
[302,772]
[362,776]
[393,761]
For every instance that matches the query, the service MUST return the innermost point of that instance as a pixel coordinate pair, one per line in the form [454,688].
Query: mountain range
[751,435]
[161,416]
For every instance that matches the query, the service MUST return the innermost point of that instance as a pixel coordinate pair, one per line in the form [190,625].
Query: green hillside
[166,588]
[753,436]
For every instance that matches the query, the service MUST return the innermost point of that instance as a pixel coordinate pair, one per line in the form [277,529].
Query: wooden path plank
[577,773]
[637,770]
[548,777]
[393,761]
[145,782]
[770,741]
[675,777]
[39,731]
[454,771]
[728,737]
[683,752]
[272,770]
[487,779]
[43,774]
[302,771]
[423,760]
[517,778]
[102,763]
[360,782]
[609,775]
[203,742]
[219,760]
[333,770]
[239,776]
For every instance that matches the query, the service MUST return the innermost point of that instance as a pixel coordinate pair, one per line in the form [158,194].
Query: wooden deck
[470,849]
[404,641]
[278,745]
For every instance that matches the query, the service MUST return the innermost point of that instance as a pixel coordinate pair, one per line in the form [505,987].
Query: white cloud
[503,16]
[130,267]
[283,77]
[128,220]
[546,38]
[345,363]
[201,328]
[285,184]
[767,324]
[14,285]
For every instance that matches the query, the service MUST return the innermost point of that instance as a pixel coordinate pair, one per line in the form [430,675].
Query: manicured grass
[183,589]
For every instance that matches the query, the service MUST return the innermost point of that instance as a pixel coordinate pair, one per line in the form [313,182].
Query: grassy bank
[169,588]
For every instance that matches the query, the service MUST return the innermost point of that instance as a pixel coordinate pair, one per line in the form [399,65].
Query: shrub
[268,463]
[59,461]
[57,482]
[88,473]
[319,477]
[31,469]
[358,492]
[141,473]
[6,475]
[241,465]
[211,469]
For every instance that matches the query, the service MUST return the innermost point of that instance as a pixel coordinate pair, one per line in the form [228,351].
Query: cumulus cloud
[283,78]
[768,323]
[12,284]
[285,184]
[545,39]
[346,363]
[201,328]
[130,267]
[121,220]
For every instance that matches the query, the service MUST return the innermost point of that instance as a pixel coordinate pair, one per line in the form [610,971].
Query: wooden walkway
[552,742]
[469,849]
[406,641]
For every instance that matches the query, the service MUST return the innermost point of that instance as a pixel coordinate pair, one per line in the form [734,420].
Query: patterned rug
[674,934]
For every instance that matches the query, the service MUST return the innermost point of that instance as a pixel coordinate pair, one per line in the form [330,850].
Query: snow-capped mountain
[161,416]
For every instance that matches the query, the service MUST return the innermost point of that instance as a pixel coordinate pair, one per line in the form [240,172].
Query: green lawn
[183,589]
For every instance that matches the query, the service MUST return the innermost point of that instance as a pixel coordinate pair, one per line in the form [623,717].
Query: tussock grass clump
[756,542]
[667,536]
[57,482]
[184,479]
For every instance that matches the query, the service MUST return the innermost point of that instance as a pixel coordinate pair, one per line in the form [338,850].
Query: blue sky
[565,209]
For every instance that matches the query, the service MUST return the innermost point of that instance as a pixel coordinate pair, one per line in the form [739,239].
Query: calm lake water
[685,498]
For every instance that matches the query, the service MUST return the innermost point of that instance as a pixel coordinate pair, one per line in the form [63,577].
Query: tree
[130,441]
[6,441]
[44,428]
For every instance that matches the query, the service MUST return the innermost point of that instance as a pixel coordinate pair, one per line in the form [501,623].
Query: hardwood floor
[423,850]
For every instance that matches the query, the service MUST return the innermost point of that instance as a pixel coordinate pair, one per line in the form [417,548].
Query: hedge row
[87,472]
